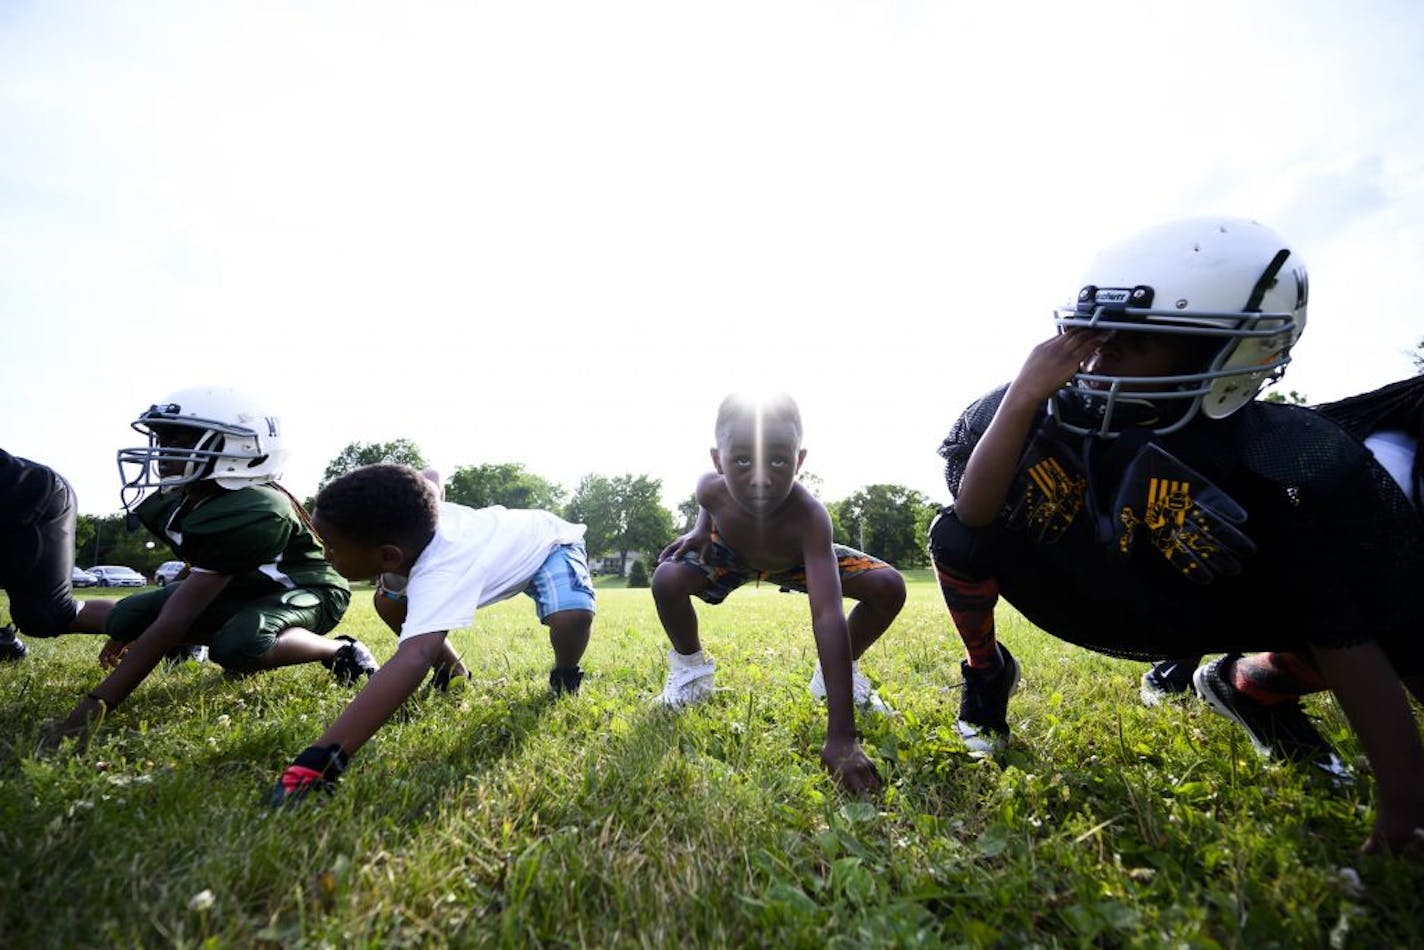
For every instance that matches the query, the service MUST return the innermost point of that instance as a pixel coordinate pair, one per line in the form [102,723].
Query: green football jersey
[253,534]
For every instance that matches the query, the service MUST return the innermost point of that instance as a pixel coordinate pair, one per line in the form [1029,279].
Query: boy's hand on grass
[317,769]
[112,653]
[79,724]
[1396,831]
[850,766]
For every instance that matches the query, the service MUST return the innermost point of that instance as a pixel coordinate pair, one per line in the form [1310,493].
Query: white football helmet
[1229,280]
[202,433]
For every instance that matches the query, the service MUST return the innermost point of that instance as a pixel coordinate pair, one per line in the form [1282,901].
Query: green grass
[494,815]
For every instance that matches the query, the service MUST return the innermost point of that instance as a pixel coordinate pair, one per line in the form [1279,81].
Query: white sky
[558,233]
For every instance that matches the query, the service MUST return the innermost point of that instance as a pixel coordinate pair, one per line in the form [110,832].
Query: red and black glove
[317,769]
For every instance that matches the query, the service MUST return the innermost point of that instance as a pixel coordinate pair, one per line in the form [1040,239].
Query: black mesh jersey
[1272,529]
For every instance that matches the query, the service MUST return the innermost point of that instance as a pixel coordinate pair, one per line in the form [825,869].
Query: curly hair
[741,405]
[383,503]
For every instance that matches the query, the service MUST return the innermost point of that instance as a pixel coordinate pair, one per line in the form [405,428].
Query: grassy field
[494,815]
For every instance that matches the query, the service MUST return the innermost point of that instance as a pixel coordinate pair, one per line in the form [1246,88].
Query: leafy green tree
[687,509]
[505,483]
[1419,356]
[638,575]
[1291,398]
[889,521]
[107,540]
[357,454]
[623,514]
[813,482]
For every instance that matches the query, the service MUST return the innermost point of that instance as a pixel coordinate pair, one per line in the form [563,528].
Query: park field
[494,815]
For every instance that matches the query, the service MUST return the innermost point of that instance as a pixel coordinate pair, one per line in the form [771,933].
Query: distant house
[613,564]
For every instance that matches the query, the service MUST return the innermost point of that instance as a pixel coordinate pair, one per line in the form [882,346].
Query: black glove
[317,768]
[1051,488]
[1190,521]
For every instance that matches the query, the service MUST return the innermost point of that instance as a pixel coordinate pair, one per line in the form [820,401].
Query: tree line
[624,514]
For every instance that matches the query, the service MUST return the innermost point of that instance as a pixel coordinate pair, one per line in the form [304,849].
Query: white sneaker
[689,680]
[866,699]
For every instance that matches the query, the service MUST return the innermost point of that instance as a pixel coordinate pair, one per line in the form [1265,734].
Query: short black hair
[740,405]
[383,503]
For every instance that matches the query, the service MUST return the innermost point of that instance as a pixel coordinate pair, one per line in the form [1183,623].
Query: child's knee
[951,543]
[46,620]
[886,590]
[673,580]
[240,644]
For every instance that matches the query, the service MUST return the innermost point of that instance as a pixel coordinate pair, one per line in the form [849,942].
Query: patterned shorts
[725,571]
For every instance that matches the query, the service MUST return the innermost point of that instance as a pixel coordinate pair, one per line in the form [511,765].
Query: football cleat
[351,662]
[1280,730]
[1170,679]
[984,706]
[179,655]
[12,648]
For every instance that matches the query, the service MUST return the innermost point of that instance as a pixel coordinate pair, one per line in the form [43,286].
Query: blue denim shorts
[562,582]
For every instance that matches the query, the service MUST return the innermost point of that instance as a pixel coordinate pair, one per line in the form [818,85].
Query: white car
[114,575]
[78,578]
[168,572]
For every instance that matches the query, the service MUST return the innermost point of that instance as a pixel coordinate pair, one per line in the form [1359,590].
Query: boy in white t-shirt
[387,520]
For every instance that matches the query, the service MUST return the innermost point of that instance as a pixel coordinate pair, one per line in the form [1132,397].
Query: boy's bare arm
[1365,683]
[841,755]
[991,466]
[390,686]
[167,631]
[699,537]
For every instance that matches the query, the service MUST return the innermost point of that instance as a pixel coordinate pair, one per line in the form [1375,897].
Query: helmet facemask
[1227,355]
[187,445]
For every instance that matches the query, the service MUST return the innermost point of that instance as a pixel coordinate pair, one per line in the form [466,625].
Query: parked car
[115,575]
[168,572]
[81,578]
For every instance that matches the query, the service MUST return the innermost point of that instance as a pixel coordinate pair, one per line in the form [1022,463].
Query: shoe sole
[1333,768]
[1201,683]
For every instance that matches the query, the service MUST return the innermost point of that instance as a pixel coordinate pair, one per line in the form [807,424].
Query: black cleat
[12,648]
[1170,679]
[351,662]
[1278,731]
[984,706]
[179,655]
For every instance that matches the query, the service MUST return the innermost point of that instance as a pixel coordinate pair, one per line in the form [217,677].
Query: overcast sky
[558,233]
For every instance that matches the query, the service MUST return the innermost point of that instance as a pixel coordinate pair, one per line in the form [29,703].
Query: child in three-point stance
[1126,493]
[756,522]
[438,562]
[258,593]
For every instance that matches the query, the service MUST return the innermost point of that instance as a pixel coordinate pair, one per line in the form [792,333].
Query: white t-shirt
[1395,450]
[477,557]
